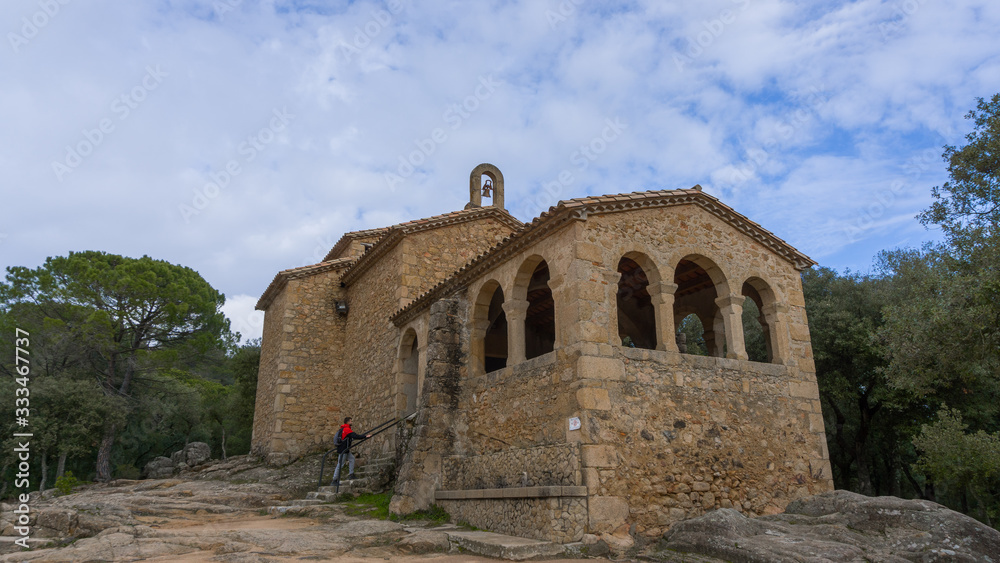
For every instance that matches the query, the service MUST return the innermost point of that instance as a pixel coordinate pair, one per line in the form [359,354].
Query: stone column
[774,315]
[731,308]
[517,312]
[477,346]
[613,278]
[662,295]
[558,302]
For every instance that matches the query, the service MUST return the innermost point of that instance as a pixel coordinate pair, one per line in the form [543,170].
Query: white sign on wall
[574,423]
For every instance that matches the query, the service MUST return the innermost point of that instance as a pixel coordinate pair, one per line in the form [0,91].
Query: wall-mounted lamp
[341,307]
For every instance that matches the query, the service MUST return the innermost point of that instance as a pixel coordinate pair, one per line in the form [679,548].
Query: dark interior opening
[495,345]
[540,320]
[636,316]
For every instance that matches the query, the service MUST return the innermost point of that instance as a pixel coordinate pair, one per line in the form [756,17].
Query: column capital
[774,308]
[662,288]
[555,281]
[515,309]
[730,301]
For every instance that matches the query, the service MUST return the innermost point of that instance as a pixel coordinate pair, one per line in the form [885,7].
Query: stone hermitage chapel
[506,340]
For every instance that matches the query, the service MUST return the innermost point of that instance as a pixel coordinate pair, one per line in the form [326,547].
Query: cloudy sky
[242,137]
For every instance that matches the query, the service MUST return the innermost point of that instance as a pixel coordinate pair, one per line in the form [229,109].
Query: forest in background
[131,359]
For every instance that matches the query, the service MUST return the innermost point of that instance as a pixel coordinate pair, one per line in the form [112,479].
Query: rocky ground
[218,513]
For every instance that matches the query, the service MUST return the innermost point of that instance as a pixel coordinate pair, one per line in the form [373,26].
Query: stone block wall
[682,435]
[516,407]
[368,388]
[429,257]
[267,377]
[527,492]
[558,519]
[556,465]
[298,408]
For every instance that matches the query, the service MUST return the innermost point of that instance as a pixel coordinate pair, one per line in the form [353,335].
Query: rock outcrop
[838,526]
[193,454]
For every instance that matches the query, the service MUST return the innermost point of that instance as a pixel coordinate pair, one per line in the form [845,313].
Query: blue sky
[242,137]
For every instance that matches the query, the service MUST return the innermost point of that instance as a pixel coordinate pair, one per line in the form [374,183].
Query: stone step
[502,547]
[356,483]
[325,497]
[306,502]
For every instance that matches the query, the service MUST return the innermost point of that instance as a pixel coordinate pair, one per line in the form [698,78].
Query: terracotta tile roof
[579,208]
[282,277]
[345,241]
[395,233]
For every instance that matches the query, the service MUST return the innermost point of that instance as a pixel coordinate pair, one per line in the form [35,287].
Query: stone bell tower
[492,187]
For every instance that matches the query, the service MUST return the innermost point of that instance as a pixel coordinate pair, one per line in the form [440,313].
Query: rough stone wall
[267,376]
[434,436]
[429,257]
[683,435]
[367,388]
[516,407]
[557,465]
[558,519]
[298,408]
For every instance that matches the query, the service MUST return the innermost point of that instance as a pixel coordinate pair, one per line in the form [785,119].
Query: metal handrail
[374,432]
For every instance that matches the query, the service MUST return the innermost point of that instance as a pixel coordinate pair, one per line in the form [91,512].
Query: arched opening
[696,294]
[756,329]
[409,369]
[636,315]
[495,339]
[539,320]
[691,336]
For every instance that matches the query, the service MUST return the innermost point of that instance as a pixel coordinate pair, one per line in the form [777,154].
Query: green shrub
[66,483]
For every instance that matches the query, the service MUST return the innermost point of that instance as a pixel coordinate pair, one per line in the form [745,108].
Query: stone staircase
[372,475]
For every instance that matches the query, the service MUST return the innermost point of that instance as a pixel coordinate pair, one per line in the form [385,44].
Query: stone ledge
[512,492]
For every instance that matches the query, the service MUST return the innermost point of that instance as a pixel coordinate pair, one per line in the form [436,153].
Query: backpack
[339,439]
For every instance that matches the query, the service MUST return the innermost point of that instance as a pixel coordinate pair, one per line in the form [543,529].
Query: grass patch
[376,505]
[371,505]
[434,514]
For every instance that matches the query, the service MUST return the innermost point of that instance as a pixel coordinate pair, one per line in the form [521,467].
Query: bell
[488,188]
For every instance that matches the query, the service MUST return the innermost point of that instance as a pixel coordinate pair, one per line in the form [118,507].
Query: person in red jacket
[347,437]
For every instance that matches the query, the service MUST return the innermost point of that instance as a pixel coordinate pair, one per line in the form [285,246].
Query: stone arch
[489,329]
[702,289]
[770,318]
[476,185]
[531,311]
[637,301]
[407,373]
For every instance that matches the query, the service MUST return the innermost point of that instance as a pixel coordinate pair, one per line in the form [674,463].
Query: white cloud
[239,309]
[885,97]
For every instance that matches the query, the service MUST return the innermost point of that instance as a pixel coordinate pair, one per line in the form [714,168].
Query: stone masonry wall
[522,467]
[687,434]
[516,407]
[302,409]
[558,519]
[267,376]
[367,388]
[429,257]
